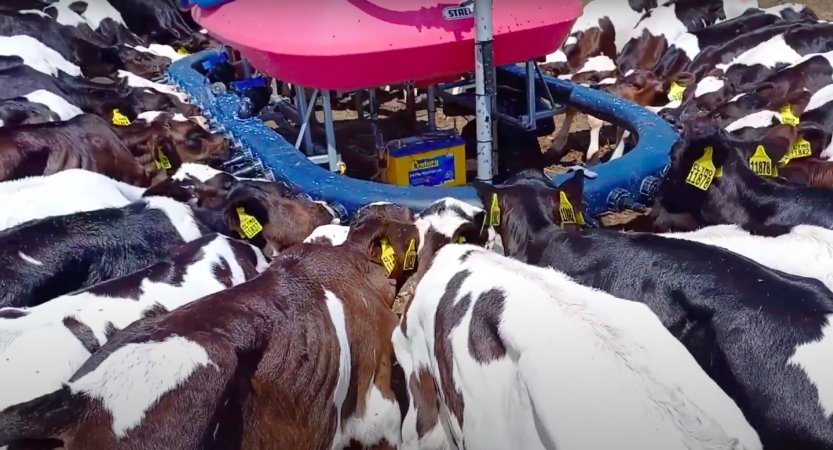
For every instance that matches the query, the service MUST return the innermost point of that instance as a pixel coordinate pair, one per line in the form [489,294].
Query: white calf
[805,251]
[66,192]
[522,357]
[41,347]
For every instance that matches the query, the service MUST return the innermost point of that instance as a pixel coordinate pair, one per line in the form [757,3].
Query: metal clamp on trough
[292,167]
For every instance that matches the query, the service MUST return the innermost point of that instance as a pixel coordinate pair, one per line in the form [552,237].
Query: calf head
[709,170]
[384,211]
[195,144]
[645,88]
[270,216]
[390,248]
[528,204]
[143,64]
[150,100]
[196,184]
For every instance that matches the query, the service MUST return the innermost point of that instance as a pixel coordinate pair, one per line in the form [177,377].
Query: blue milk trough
[619,182]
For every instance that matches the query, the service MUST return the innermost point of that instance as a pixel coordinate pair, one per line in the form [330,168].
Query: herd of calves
[151,301]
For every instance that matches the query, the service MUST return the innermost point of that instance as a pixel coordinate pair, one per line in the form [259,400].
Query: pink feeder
[355,44]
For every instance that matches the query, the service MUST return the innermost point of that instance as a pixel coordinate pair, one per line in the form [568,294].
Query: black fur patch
[83,333]
[485,344]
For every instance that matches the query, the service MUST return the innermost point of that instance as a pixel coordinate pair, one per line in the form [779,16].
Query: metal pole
[432,109]
[531,122]
[484,87]
[378,139]
[301,102]
[304,132]
[332,155]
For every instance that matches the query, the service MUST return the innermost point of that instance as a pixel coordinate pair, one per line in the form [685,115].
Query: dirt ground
[823,8]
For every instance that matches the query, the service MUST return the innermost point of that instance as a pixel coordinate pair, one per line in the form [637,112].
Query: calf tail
[42,418]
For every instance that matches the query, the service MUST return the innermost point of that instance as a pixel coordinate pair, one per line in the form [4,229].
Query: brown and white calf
[65,331]
[299,357]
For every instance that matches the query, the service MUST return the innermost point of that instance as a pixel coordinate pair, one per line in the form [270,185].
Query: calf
[20,111]
[37,55]
[191,142]
[705,296]
[692,196]
[234,357]
[68,329]
[113,242]
[79,190]
[477,322]
[104,19]
[84,142]
[332,234]
[155,20]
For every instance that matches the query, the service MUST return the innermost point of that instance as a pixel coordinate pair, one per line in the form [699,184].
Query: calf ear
[818,137]
[492,203]
[779,140]
[569,204]
[246,216]
[165,156]
[473,233]
[389,243]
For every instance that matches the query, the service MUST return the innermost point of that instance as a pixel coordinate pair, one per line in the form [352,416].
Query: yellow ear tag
[410,256]
[702,171]
[120,119]
[568,214]
[182,51]
[162,161]
[388,256]
[801,149]
[494,212]
[761,164]
[342,168]
[676,92]
[248,224]
[787,116]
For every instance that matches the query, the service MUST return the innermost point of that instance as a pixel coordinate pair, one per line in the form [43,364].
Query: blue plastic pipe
[655,139]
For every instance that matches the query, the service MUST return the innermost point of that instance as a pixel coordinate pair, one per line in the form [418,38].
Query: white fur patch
[37,55]
[57,104]
[159,50]
[380,421]
[134,377]
[139,82]
[339,321]
[152,116]
[599,63]
[180,215]
[79,190]
[821,98]
[814,359]
[448,221]
[96,12]
[689,44]
[760,119]
[663,22]
[708,85]
[337,234]
[201,172]
[29,259]
[768,54]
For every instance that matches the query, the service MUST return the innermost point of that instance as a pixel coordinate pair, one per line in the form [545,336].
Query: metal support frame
[304,132]
[484,77]
[432,109]
[530,122]
[378,139]
[301,104]
[332,155]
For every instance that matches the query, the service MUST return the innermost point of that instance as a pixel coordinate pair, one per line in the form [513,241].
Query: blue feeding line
[248,83]
[627,174]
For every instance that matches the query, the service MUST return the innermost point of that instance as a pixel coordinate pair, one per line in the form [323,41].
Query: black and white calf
[485,335]
[80,190]
[63,332]
[772,366]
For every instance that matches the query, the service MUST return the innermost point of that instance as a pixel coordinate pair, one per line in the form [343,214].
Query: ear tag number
[702,171]
[761,163]
[801,149]
[565,208]
[388,256]
[410,256]
[120,119]
[676,92]
[162,161]
[787,116]
[248,224]
[494,212]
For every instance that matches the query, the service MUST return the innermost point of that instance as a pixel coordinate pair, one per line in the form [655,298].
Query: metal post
[304,131]
[432,109]
[301,102]
[378,139]
[332,155]
[531,122]
[484,87]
